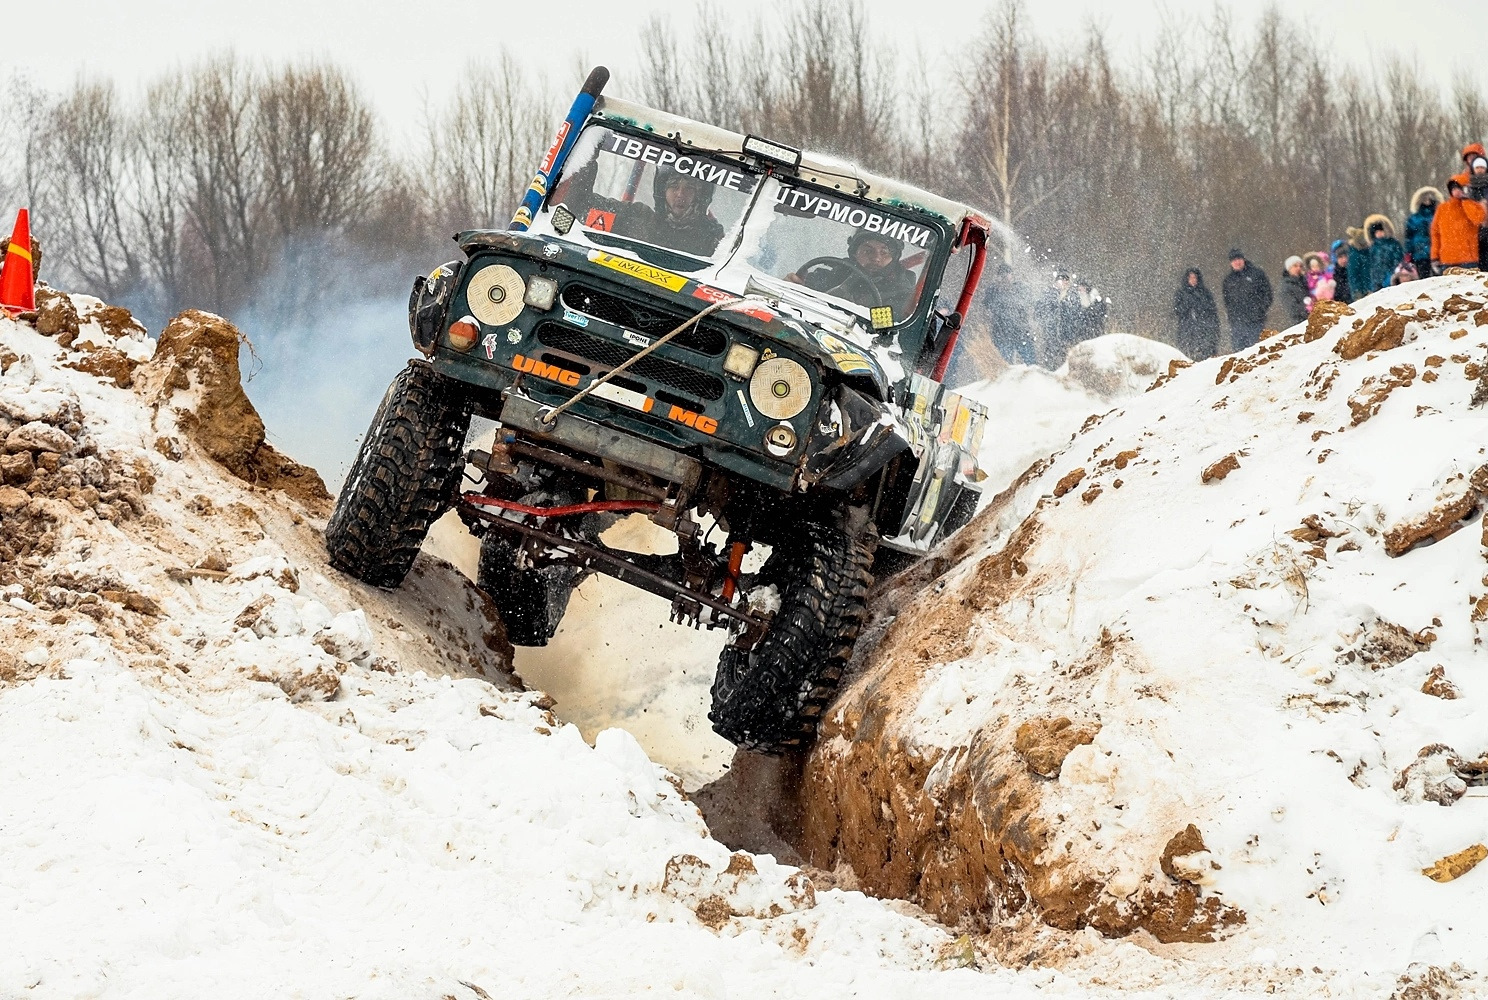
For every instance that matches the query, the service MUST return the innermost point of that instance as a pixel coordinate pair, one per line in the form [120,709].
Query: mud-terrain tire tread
[770,698]
[531,601]
[404,477]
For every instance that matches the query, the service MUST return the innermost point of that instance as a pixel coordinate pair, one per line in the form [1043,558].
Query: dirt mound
[197,357]
[1139,697]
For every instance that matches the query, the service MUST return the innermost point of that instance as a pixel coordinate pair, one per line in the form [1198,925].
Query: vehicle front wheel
[403,479]
[769,698]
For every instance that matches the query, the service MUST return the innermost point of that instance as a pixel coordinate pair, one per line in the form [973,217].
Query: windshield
[652,193]
[845,248]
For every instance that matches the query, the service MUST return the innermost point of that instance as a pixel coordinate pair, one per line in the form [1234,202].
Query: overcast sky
[402,52]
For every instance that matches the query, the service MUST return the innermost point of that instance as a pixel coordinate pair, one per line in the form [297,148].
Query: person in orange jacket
[1472,151]
[1454,229]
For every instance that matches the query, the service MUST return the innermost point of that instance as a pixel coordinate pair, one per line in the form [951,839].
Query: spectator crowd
[1440,231]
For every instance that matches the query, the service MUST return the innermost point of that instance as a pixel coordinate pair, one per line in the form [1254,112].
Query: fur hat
[1356,238]
[1420,196]
[1380,220]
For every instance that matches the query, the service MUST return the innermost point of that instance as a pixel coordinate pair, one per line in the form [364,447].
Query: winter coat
[1093,308]
[1418,226]
[1320,285]
[1247,295]
[1060,317]
[1198,319]
[1454,233]
[1012,326]
[1358,265]
[1385,255]
[1341,290]
[1294,298]
[1469,151]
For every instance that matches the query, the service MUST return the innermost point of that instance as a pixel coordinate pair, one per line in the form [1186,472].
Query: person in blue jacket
[1385,252]
[1418,228]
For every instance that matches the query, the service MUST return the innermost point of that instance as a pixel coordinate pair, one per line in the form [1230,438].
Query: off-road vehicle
[742,341]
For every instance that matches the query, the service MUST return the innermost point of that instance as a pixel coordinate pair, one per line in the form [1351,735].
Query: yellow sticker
[655,275]
[882,317]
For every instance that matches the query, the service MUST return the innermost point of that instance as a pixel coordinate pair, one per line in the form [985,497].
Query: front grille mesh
[652,322]
[611,354]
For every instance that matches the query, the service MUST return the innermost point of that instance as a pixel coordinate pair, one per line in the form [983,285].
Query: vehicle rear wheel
[403,479]
[531,601]
[769,699]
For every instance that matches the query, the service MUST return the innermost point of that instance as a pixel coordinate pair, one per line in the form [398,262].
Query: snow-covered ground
[227,770]
[1251,600]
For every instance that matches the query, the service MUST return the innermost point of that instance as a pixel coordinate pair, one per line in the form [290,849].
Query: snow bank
[229,771]
[1213,673]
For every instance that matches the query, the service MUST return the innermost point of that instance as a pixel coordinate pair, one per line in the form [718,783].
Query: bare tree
[87,140]
[485,146]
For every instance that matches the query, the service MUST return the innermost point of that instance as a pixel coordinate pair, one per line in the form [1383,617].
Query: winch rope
[550,416]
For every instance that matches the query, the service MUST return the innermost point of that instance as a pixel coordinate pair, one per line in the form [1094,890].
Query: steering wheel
[843,277]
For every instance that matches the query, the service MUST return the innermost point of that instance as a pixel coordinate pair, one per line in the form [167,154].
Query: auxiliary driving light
[464,333]
[740,360]
[541,292]
[780,439]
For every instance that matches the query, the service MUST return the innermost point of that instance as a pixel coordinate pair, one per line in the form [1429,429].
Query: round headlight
[780,388]
[495,294]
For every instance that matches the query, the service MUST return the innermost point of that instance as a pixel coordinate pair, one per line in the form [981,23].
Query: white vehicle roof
[826,171]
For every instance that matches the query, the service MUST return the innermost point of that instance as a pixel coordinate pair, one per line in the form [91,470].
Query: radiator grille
[643,319]
[610,354]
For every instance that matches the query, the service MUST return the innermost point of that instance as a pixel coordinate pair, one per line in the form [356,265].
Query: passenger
[871,274]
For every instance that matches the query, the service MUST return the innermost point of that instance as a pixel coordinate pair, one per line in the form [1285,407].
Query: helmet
[666,175]
[857,239]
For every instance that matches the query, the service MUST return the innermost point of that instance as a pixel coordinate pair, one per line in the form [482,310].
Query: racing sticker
[805,204]
[848,359]
[625,397]
[711,295]
[707,171]
[645,272]
[552,154]
[601,220]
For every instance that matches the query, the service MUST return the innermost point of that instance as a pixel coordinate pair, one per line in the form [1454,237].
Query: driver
[875,257]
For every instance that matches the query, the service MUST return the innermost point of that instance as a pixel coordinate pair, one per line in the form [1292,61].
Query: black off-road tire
[770,698]
[403,479]
[531,601]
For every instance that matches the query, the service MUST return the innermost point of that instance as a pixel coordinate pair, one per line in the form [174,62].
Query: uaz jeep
[740,340]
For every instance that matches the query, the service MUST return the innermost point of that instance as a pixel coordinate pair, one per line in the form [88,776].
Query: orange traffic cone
[17,284]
